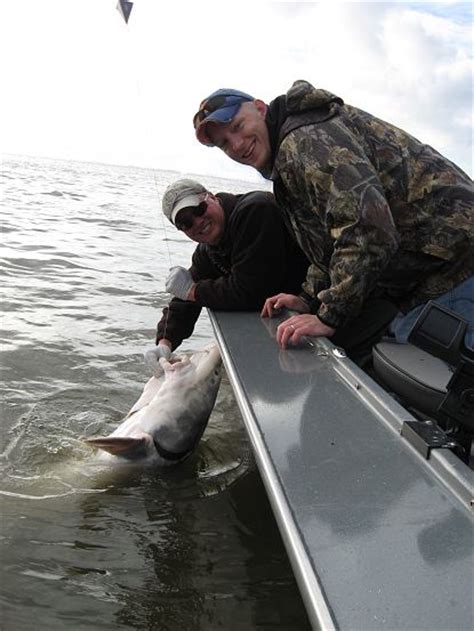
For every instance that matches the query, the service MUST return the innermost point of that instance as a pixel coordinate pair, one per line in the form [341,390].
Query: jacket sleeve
[337,192]
[257,257]
[180,316]
[177,322]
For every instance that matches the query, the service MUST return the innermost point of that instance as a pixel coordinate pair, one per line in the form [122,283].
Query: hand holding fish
[152,357]
[180,283]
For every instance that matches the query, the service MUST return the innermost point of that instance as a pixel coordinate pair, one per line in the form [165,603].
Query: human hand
[153,355]
[293,329]
[295,303]
[179,282]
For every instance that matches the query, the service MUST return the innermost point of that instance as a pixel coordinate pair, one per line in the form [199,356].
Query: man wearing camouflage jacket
[377,212]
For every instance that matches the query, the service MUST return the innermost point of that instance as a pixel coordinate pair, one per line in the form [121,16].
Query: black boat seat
[417,377]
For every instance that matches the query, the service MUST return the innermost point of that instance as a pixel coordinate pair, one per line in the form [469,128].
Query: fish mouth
[172,456]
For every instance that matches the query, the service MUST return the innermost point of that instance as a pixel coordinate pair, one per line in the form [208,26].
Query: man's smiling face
[245,138]
[209,227]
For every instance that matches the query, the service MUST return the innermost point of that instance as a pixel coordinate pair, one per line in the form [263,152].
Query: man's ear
[261,107]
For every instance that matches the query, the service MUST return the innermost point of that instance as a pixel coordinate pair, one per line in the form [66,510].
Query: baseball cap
[181,194]
[221,106]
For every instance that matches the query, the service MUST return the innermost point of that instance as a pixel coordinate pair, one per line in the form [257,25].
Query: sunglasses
[186,216]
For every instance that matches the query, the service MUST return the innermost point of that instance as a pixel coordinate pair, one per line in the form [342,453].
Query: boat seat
[416,376]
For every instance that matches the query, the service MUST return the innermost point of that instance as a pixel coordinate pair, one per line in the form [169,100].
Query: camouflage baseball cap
[181,194]
[221,106]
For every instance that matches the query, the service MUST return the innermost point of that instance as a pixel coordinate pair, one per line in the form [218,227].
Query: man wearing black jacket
[244,255]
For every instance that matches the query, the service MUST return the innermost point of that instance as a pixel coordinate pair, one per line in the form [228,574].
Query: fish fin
[126,446]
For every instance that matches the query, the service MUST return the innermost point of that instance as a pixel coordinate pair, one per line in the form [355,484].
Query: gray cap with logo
[181,194]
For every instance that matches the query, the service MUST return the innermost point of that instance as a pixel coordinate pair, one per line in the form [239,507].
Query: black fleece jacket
[256,258]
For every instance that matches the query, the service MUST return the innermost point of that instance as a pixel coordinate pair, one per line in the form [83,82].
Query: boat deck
[378,536]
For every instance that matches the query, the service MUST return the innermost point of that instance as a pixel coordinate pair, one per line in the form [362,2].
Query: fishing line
[140,95]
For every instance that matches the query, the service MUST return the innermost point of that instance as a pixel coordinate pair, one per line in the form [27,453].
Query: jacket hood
[302,97]
[302,105]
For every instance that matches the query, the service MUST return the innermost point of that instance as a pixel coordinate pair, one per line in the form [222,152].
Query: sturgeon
[166,423]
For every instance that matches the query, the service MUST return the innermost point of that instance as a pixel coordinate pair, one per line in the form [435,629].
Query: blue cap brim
[222,115]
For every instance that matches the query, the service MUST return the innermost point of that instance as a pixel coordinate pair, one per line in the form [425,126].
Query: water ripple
[84,262]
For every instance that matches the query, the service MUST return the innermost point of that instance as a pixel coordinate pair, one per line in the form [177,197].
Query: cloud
[83,85]
[429,76]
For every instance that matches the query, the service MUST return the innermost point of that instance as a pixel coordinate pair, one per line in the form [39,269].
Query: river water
[195,547]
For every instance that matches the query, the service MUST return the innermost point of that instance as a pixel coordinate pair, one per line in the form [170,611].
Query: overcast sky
[78,83]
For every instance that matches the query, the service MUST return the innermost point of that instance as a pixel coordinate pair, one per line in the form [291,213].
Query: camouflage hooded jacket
[375,210]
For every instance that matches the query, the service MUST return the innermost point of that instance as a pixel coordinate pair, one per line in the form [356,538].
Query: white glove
[179,282]
[152,358]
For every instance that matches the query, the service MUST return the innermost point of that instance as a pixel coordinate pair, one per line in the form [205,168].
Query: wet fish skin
[166,423]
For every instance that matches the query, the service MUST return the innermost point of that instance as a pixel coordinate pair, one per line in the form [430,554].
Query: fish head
[207,363]
[202,366]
